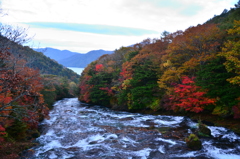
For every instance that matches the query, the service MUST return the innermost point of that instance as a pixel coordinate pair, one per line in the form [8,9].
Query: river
[80,131]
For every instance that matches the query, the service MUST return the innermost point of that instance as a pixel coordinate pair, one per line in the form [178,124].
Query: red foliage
[2,133]
[127,71]
[189,97]
[236,111]
[31,119]
[109,91]
[123,73]
[85,89]
[99,67]
[20,87]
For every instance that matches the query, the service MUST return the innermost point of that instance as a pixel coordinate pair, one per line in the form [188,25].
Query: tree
[231,51]
[15,34]
[165,34]
[213,77]
[237,5]
[188,97]
[20,88]
[189,51]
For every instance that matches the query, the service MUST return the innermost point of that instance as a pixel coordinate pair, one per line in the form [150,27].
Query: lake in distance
[76,69]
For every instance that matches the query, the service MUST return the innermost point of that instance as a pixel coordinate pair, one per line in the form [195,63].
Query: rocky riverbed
[77,130]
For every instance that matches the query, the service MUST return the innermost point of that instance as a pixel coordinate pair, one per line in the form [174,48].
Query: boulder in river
[193,142]
[203,130]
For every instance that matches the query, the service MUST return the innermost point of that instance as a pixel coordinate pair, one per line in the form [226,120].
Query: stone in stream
[193,142]
[204,131]
[126,119]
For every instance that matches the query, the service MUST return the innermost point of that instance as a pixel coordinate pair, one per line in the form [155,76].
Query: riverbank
[13,150]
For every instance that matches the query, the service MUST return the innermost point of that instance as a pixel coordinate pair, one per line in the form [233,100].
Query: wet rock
[204,131]
[126,119]
[193,142]
[114,141]
[35,135]
[156,155]
[150,123]
[27,153]
[95,152]
[93,142]
[163,129]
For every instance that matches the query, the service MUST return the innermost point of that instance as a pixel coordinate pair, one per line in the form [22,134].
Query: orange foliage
[20,90]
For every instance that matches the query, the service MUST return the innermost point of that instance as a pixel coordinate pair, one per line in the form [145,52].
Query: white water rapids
[78,131]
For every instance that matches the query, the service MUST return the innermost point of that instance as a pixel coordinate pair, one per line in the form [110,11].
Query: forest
[29,85]
[195,71]
[192,71]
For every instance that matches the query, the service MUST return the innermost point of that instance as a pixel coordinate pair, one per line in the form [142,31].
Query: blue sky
[93,28]
[84,25]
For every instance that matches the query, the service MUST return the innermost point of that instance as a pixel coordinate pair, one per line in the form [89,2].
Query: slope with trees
[29,84]
[191,71]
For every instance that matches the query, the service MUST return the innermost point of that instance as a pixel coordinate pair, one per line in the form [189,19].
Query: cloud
[81,41]
[90,28]
[83,25]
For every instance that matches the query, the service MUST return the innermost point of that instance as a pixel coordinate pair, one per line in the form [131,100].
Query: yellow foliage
[125,84]
[231,52]
[171,75]
[167,64]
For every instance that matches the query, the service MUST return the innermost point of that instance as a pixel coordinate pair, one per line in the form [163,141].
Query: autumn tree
[20,88]
[231,51]
[188,97]
[84,87]
[188,51]
[15,34]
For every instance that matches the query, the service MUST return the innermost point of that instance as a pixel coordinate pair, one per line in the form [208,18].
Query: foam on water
[74,130]
[171,121]
[221,154]
[167,141]
[82,144]
[53,155]
[143,153]
[161,149]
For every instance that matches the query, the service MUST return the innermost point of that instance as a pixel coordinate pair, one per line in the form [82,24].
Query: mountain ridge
[72,59]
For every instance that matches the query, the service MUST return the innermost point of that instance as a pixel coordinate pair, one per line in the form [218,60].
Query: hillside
[72,59]
[30,83]
[38,60]
[195,71]
[226,18]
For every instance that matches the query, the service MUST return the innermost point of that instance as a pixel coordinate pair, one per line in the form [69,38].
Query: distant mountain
[82,60]
[55,53]
[73,59]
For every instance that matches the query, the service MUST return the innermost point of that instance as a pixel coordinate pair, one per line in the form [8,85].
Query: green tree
[213,77]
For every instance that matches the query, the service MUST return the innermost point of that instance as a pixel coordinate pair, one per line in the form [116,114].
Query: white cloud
[82,42]
[157,15]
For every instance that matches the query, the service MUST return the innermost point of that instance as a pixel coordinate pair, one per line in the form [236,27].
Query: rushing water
[78,131]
